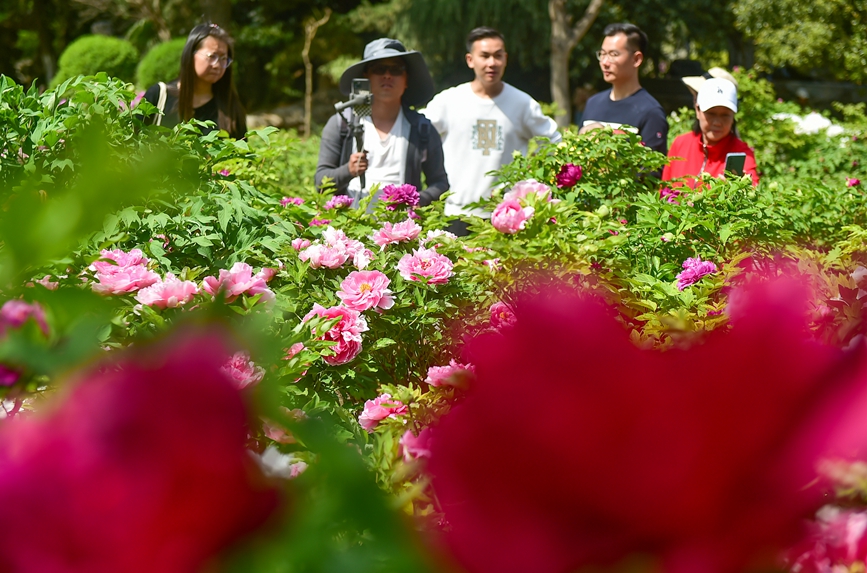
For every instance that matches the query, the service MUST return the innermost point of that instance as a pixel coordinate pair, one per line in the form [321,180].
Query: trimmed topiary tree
[89,55]
[161,64]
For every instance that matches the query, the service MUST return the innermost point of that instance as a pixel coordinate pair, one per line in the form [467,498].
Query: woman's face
[715,123]
[211,60]
[387,79]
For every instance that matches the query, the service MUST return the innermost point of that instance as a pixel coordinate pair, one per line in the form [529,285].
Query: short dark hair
[481,33]
[636,39]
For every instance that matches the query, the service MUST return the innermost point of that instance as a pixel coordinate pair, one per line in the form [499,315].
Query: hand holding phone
[735,163]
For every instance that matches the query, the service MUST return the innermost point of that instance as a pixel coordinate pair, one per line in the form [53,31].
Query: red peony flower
[569,175]
[698,458]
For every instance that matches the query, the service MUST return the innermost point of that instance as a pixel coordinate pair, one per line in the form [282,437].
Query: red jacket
[700,158]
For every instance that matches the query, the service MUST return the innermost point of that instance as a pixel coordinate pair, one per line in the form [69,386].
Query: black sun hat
[419,85]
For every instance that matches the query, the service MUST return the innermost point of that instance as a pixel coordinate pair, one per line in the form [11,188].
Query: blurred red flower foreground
[141,467]
[575,448]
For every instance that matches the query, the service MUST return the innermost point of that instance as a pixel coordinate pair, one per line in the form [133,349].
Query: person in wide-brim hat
[694,83]
[420,86]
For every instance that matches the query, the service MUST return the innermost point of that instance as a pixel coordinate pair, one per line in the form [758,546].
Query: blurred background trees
[822,40]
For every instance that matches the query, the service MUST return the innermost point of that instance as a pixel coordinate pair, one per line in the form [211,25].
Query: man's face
[388,79]
[618,62]
[488,60]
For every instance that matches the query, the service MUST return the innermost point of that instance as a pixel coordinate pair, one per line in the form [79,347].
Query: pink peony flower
[336,249]
[670,195]
[425,265]
[346,333]
[362,290]
[278,433]
[324,256]
[396,195]
[124,280]
[293,350]
[338,202]
[454,374]
[47,282]
[286,201]
[399,232]
[108,479]
[267,273]
[412,448]
[121,259]
[237,281]
[493,264]
[437,234]
[14,313]
[319,222]
[836,541]
[569,175]
[530,186]
[509,217]
[852,182]
[502,316]
[299,243]
[379,409]
[170,293]
[224,172]
[694,269]
[242,371]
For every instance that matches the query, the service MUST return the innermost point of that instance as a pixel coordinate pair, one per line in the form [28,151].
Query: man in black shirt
[626,105]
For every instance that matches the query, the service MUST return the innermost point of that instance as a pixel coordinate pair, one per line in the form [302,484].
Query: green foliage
[161,64]
[89,55]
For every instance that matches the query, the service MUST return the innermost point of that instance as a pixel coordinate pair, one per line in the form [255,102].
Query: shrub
[91,54]
[161,64]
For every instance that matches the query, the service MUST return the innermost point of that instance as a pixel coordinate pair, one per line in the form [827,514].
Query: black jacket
[424,155]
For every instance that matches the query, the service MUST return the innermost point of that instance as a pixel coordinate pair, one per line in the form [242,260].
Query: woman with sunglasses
[399,144]
[205,89]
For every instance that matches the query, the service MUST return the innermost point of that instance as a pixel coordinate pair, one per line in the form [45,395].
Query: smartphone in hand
[735,163]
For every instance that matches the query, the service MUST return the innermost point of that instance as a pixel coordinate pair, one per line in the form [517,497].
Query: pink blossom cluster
[300,243]
[399,232]
[242,371]
[338,202]
[670,195]
[453,374]
[836,541]
[346,333]
[502,316]
[363,290]
[569,175]
[169,293]
[14,313]
[334,250]
[278,433]
[237,281]
[528,187]
[412,447]
[396,195]
[425,265]
[286,201]
[379,409]
[128,273]
[694,269]
[509,217]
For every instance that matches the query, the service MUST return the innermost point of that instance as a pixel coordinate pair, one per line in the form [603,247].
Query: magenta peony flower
[569,175]
[299,243]
[8,376]
[396,195]
[224,172]
[347,332]
[362,290]
[530,186]
[242,371]
[694,269]
[237,281]
[425,265]
[509,217]
[851,182]
[379,409]
[399,232]
[454,374]
[412,448]
[502,316]
[139,467]
[338,202]
[286,201]
[170,293]
[14,313]
[670,195]
[319,222]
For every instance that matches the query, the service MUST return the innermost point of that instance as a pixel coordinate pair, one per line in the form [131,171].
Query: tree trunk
[41,12]
[309,32]
[218,12]
[564,37]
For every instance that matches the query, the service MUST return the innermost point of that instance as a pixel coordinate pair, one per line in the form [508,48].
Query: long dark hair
[231,113]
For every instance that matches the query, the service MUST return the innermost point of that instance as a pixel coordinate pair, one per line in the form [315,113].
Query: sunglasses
[391,69]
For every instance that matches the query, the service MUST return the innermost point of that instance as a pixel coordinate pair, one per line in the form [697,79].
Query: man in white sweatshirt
[483,122]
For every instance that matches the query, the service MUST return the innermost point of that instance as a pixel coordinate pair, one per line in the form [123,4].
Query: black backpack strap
[424,126]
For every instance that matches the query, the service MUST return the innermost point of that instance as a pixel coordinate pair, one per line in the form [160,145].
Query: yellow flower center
[365,287]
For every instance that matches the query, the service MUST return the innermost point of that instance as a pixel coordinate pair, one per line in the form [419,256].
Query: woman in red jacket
[704,149]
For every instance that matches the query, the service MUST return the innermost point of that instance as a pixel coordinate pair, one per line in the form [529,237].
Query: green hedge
[89,55]
[161,64]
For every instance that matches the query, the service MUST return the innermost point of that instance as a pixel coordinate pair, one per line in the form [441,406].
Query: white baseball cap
[717,92]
